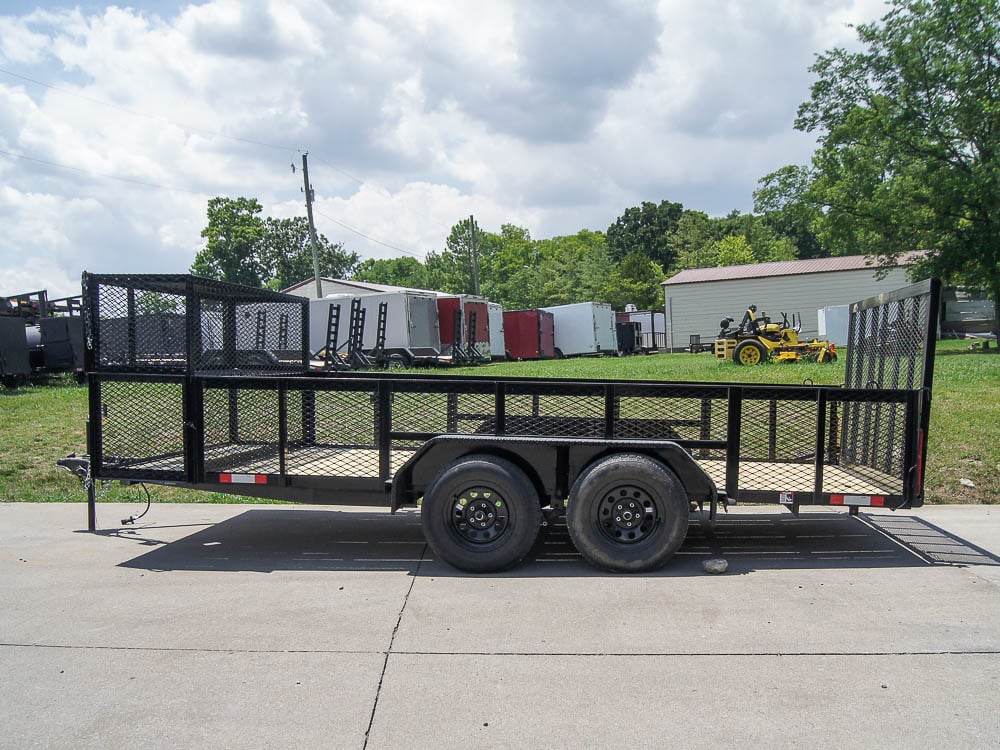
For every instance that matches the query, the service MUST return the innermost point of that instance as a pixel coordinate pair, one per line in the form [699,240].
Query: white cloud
[550,116]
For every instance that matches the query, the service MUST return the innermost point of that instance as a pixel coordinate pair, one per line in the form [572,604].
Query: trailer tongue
[230,406]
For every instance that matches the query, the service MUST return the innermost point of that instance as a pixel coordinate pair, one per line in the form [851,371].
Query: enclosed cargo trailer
[474,323]
[411,322]
[498,339]
[529,334]
[584,328]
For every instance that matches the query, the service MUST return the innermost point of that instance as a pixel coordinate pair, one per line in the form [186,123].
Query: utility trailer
[487,459]
[653,335]
[39,336]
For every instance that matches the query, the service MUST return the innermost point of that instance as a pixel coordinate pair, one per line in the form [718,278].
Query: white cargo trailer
[319,311]
[584,328]
[498,342]
[411,321]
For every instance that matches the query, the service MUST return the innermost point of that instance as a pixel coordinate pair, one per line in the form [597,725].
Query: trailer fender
[553,464]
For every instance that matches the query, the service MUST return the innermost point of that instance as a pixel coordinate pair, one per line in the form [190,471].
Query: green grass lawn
[41,423]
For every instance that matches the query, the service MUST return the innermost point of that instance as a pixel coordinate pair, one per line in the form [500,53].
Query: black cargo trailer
[488,458]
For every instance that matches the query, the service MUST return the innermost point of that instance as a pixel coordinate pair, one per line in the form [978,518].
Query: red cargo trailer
[529,334]
[468,305]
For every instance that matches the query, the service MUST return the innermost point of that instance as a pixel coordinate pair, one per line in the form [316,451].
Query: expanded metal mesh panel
[888,344]
[241,431]
[888,341]
[177,323]
[255,336]
[777,444]
[420,412]
[555,414]
[472,413]
[140,329]
[874,439]
[332,433]
[670,415]
[142,426]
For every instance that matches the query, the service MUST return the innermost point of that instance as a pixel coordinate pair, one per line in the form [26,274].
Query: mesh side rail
[789,447]
[181,323]
[367,427]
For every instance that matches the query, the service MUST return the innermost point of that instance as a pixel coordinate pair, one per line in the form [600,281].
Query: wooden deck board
[363,462]
[782,477]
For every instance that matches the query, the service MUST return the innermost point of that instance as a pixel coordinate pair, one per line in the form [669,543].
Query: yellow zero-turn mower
[756,339]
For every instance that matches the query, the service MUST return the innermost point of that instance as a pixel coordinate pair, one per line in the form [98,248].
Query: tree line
[625,264]
[907,158]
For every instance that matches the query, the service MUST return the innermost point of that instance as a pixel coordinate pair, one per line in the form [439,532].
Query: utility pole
[312,227]
[475,256]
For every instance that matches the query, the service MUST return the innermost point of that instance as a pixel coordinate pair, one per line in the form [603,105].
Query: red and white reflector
[876,501]
[243,478]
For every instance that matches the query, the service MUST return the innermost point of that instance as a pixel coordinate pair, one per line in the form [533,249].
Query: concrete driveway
[290,626]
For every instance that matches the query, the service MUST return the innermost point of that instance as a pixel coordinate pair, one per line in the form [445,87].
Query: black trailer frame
[220,410]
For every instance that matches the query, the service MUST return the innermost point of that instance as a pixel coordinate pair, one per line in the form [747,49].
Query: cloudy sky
[118,123]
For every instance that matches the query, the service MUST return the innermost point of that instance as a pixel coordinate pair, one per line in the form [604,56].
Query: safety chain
[88,482]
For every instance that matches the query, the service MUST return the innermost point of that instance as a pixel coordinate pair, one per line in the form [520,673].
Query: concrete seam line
[392,640]
[608,654]
[188,649]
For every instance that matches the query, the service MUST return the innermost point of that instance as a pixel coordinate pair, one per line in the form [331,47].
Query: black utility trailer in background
[232,408]
[39,336]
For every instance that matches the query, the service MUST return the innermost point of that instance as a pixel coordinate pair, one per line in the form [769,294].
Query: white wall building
[697,299]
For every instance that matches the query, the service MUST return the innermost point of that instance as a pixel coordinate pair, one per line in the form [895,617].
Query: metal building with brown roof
[697,299]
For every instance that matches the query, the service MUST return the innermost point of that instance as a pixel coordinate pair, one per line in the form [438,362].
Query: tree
[244,248]
[645,229]
[404,271]
[233,236]
[779,200]
[908,153]
[286,253]
[733,250]
[693,241]
[451,269]
[635,280]
[572,268]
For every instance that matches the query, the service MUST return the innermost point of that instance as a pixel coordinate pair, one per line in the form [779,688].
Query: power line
[195,131]
[131,180]
[367,237]
[341,171]
[144,183]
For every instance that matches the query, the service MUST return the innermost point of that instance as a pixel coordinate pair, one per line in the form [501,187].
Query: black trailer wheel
[481,514]
[627,513]
[749,352]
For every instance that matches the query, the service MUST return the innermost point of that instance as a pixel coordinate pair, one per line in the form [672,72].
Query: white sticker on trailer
[787,498]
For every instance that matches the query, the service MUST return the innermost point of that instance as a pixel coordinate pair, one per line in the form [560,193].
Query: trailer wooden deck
[339,462]
[788,477]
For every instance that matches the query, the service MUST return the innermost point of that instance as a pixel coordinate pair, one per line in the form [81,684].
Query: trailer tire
[749,352]
[653,507]
[481,514]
